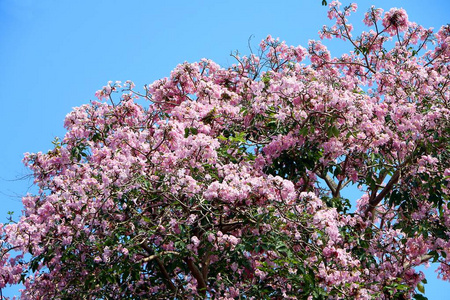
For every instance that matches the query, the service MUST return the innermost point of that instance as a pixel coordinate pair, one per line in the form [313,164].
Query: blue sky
[54,55]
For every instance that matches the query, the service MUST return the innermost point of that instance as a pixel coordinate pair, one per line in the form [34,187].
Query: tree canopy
[229,182]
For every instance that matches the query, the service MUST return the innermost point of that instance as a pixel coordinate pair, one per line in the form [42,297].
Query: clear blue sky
[54,55]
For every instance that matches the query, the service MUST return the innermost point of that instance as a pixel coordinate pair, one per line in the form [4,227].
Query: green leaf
[146,219]
[96,137]
[421,288]
[304,131]
[333,131]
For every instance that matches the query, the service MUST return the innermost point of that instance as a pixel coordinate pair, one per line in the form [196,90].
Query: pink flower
[195,241]
[395,20]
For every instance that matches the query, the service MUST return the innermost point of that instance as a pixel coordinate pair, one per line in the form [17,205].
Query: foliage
[229,183]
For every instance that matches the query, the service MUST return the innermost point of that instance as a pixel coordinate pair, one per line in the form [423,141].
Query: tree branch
[374,201]
[201,284]
[155,256]
[205,265]
[331,184]
[161,266]
[423,259]
[166,275]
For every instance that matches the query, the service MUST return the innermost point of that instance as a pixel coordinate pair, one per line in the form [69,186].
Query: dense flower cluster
[229,183]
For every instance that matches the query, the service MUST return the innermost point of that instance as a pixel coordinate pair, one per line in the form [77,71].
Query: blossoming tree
[228,183]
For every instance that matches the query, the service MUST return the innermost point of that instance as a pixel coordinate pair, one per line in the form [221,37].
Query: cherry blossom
[229,182]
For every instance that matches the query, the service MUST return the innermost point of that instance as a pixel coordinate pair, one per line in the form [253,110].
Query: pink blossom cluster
[229,184]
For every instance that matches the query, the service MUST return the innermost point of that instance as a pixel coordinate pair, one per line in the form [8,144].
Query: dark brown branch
[201,284]
[340,186]
[166,275]
[375,200]
[161,266]
[205,265]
